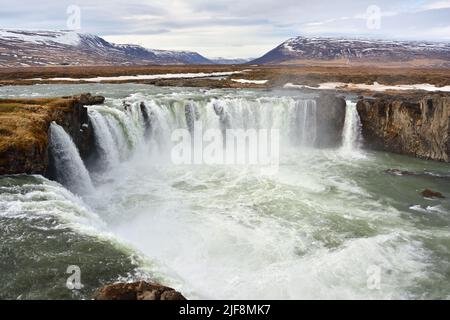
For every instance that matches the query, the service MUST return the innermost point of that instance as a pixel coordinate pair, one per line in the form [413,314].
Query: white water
[351,134]
[307,122]
[70,169]
[310,231]
[42,199]
[107,147]
[230,232]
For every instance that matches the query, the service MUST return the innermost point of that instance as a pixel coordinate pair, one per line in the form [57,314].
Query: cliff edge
[411,124]
[24,125]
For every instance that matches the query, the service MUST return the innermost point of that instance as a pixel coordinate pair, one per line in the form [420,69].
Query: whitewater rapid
[323,226]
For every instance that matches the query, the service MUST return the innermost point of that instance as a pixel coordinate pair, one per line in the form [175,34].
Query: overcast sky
[234,28]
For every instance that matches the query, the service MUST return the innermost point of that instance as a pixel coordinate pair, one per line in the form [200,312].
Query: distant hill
[322,50]
[42,48]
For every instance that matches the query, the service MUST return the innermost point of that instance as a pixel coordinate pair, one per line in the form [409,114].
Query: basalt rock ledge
[24,126]
[411,124]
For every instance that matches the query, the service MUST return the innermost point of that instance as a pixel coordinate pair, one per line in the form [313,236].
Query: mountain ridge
[21,48]
[356,50]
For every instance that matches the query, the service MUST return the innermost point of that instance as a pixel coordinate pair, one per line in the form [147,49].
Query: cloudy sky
[233,28]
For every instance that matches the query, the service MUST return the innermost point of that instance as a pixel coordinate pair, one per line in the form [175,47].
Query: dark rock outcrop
[398,172]
[140,290]
[24,125]
[147,120]
[330,120]
[76,122]
[427,193]
[412,124]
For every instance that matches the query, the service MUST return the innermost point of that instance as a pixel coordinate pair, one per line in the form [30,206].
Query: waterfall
[106,146]
[352,129]
[69,167]
[303,124]
[148,119]
[148,123]
[192,115]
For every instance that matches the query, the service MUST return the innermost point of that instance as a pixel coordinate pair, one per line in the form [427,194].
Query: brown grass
[277,75]
[25,122]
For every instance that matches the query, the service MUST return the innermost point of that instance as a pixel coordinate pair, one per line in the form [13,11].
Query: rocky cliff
[330,120]
[24,125]
[414,124]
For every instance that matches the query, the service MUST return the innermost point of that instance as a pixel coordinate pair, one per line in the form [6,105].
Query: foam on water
[317,228]
[69,167]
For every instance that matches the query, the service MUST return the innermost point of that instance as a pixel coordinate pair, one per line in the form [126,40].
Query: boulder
[427,193]
[140,290]
[87,99]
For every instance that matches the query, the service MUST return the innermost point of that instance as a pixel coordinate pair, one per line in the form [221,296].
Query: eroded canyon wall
[411,124]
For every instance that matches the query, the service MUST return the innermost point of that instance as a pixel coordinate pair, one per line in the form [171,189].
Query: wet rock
[224,118]
[140,290]
[148,116]
[427,193]
[192,114]
[87,99]
[412,124]
[126,105]
[330,120]
[398,172]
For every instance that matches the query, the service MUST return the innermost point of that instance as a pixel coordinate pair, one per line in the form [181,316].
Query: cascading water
[69,167]
[305,125]
[107,147]
[153,121]
[314,229]
[351,133]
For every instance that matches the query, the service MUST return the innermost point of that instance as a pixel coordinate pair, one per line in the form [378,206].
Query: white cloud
[232,28]
[250,41]
[443,32]
[437,5]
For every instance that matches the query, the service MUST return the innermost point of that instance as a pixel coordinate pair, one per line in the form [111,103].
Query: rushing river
[330,223]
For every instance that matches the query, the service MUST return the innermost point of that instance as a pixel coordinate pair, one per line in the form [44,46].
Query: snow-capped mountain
[299,49]
[41,48]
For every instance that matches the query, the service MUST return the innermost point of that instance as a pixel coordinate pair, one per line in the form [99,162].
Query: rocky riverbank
[411,124]
[140,290]
[24,125]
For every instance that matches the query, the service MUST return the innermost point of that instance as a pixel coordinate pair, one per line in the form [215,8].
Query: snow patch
[42,37]
[372,87]
[250,81]
[146,77]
